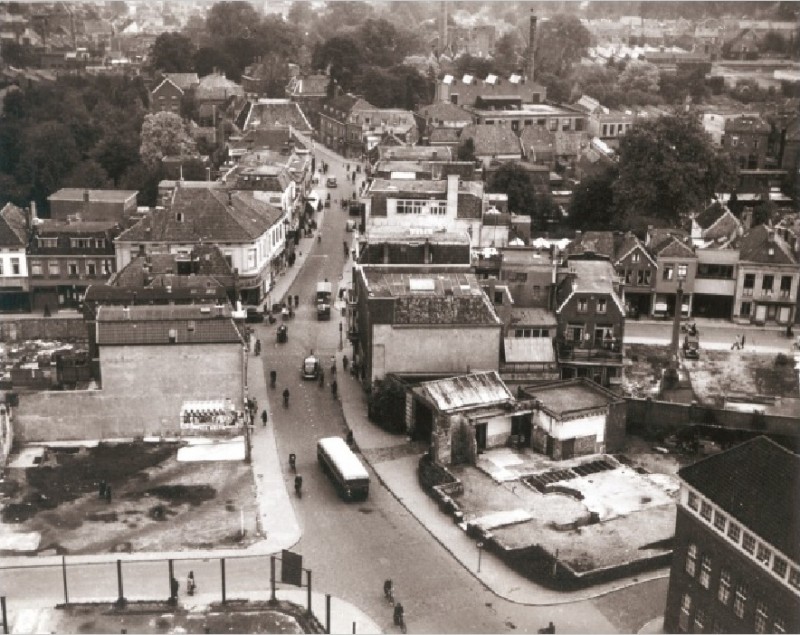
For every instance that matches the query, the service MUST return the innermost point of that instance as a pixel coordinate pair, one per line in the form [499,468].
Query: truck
[324,300]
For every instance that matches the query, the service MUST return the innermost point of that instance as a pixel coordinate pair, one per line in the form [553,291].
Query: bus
[343,467]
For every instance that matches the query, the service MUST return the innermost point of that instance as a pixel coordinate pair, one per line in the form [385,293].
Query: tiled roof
[207,214]
[466,391]
[491,139]
[143,325]
[276,112]
[184,81]
[747,123]
[102,196]
[758,483]
[598,242]
[103,293]
[755,246]
[444,135]
[676,249]
[444,111]
[216,87]
[13,232]
[50,227]
[710,215]
[539,138]
[208,261]
[669,242]
[414,153]
[593,276]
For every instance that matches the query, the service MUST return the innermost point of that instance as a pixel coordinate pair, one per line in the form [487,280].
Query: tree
[18,55]
[560,43]
[49,154]
[345,57]
[773,42]
[301,14]
[231,20]
[592,205]
[208,58]
[514,180]
[382,44]
[116,154]
[88,174]
[507,54]
[639,76]
[164,134]
[471,65]
[668,168]
[172,53]
[466,150]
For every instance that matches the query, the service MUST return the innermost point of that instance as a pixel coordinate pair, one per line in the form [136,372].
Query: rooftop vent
[421,284]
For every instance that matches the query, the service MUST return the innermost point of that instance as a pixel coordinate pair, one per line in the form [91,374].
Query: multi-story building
[13,259]
[391,245]
[591,322]
[746,140]
[250,233]
[736,563]
[396,312]
[767,278]
[309,91]
[65,257]
[338,126]
[166,97]
[468,90]
[92,205]
[677,269]
[637,270]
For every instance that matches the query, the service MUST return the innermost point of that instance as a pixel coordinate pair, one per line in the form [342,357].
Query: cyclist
[285,397]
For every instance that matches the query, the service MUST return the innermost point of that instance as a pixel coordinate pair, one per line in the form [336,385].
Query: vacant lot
[714,375]
[156,503]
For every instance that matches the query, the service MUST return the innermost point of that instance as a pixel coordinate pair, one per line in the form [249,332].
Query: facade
[736,563]
[677,268]
[65,257]
[467,90]
[250,233]
[13,259]
[591,322]
[166,97]
[637,270]
[518,115]
[396,312]
[767,278]
[309,91]
[746,140]
[409,246]
[339,128]
[575,417]
[92,205]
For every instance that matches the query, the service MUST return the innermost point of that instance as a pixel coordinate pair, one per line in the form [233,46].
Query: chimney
[443,28]
[530,61]
[452,195]
[747,218]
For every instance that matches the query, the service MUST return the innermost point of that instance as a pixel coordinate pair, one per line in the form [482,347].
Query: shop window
[744,310]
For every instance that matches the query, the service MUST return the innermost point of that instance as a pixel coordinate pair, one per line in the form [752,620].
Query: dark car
[691,347]
[331,182]
[254,316]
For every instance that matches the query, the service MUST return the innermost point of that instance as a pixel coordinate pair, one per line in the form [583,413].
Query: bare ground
[157,502]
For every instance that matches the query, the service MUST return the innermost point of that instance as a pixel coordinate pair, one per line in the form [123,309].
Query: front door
[480,436]
[567,449]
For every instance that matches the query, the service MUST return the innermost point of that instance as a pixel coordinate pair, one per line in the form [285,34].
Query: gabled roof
[148,325]
[184,81]
[492,140]
[628,243]
[538,138]
[465,391]
[717,221]
[590,276]
[167,82]
[13,230]
[206,215]
[444,135]
[217,87]
[747,123]
[276,113]
[669,243]
[764,245]
[208,261]
[758,483]
[598,242]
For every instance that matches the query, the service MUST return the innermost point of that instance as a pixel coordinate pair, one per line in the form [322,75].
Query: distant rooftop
[104,196]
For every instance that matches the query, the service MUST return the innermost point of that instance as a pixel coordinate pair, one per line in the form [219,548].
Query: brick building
[736,563]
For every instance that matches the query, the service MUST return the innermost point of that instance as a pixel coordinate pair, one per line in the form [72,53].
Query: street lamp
[480,552]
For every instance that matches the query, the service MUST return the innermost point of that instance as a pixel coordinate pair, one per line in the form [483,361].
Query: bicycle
[399,617]
[388,591]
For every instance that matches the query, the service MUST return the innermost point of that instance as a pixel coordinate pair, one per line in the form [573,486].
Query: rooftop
[532,316]
[529,350]
[763,244]
[420,186]
[593,276]
[400,234]
[465,391]
[276,112]
[102,196]
[758,483]
[13,231]
[564,397]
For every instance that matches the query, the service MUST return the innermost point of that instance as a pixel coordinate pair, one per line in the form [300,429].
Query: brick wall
[52,328]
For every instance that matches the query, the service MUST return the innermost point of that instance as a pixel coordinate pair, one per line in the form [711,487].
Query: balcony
[589,353]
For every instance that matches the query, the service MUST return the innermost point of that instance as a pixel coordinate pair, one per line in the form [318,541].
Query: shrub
[387,406]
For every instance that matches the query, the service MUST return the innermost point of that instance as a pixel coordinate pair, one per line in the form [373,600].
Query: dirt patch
[644,365]
[59,499]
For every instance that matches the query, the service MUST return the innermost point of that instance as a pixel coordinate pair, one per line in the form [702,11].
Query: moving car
[331,182]
[691,347]
[310,368]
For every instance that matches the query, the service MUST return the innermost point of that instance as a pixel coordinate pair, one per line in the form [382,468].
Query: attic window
[421,284]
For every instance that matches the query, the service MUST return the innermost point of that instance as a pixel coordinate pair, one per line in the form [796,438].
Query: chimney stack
[530,61]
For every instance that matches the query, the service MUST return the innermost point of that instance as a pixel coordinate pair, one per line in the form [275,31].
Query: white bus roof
[324,286]
[347,462]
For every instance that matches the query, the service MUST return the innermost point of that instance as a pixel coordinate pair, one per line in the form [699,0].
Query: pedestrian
[297,300]
[344,362]
[258,347]
[289,301]
[321,378]
[108,493]
[102,489]
[173,589]
[334,388]
[349,438]
[264,417]
[742,340]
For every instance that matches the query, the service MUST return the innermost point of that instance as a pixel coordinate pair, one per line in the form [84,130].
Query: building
[309,92]
[273,113]
[573,418]
[743,46]
[65,257]
[250,233]
[92,205]
[166,97]
[637,269]
[441,115]
[736,561]
[677,269]
[391,245]
[14,286]
[174,355]
[517,115]
[767,278]
[338,127]
[467,90]
[493,143]
[746,140]
[396,312]
[591,322]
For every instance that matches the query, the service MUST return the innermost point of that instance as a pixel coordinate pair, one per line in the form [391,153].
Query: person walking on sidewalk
[264,417]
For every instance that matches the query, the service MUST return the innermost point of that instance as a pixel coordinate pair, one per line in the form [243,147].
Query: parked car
[331,182]
[691,347]
[254,316]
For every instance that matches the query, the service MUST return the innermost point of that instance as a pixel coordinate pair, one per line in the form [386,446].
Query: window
[745,309]
[668,271]
[734,141]
[582,305]
[739,601]
[705,572]
[47,243]
[91,269]
[749,283]
[537,291]
[734,533]
[766,283]
[628,275]
[779,566]
[705,511]
[719,521]
[251,258]
[691,560]
[686,609]
[552,124]
[601,305]
[693,502]
[763,554]
[107,269]
[72,269]
[786,286]
[724,591]
[699,621]
[779,626]
[36,268]
[15,266]
[498,297]
[53,269]
[794,578]
[749,544]
[635,256]
[80,243]
[100,243]
[682,271]
[1,267]
[761,618]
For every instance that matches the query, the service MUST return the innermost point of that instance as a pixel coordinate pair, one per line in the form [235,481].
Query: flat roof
[392,285]
[390,233]
[572,395]
[529,109]
[532,316]
[531,350]
[102,196]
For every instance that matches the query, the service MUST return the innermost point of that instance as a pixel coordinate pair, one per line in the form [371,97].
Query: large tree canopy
[164,134]
[560,43]
[668,168]
[592,205]
[514,180]
[172,53]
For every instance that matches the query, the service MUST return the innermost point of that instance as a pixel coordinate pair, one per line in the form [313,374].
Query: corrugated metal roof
[475,389]
[529,350]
